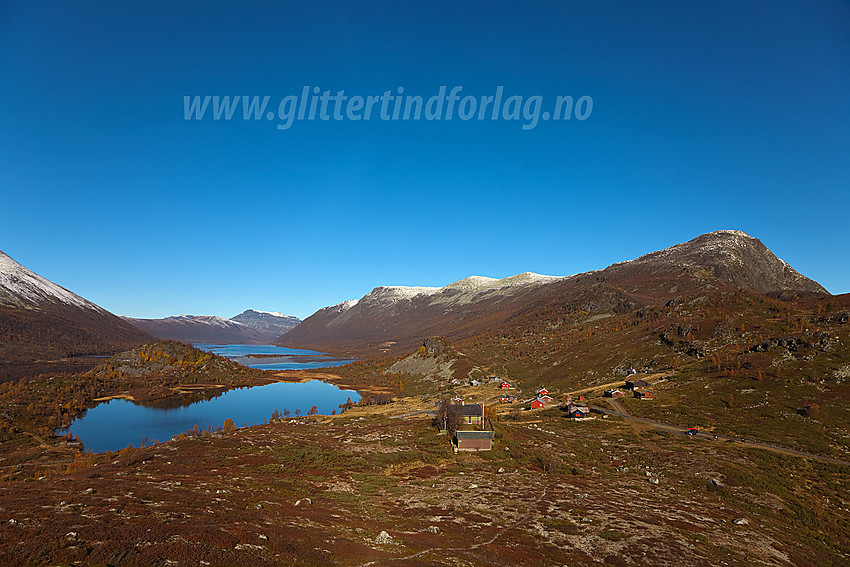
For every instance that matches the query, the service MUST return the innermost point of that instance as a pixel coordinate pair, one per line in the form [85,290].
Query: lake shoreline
[121,419]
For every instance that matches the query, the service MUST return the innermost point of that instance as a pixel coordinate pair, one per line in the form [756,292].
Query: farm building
[473,440]
[613,393]
[538,403]
[542,392]
[505,385]
[636,384]
[644,394]
[507,399]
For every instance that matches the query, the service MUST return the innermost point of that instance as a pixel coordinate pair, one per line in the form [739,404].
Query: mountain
[251,326]
[200,329]
[396,318]
[42,325]
[270,323]
[728,256]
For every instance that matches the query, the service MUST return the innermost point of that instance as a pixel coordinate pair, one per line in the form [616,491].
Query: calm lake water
[114,424]
[273,357]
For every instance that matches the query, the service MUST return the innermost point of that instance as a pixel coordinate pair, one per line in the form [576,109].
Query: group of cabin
[638,388]
[505,385]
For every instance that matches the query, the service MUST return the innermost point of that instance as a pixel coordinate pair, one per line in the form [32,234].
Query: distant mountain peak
[272,313]
[271,323]
[732,256]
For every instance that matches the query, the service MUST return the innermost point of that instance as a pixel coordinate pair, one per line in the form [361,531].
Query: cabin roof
[474,434]
[471,410]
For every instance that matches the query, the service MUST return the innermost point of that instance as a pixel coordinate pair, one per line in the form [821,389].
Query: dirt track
[738,440]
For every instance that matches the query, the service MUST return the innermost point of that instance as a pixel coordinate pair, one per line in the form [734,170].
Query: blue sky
[705,116]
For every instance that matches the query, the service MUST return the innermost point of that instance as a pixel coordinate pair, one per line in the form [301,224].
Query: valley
[715,334]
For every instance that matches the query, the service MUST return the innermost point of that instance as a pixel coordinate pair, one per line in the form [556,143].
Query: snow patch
[272,313]
[467,290]
[31,288]
[339,307]
[732,232]
[396,293]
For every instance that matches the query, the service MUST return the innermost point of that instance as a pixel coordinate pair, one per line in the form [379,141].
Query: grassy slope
[729,368]
[570,493]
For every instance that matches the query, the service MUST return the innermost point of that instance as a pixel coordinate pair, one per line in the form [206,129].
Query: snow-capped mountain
[402,314]
[398,317]
[43,323]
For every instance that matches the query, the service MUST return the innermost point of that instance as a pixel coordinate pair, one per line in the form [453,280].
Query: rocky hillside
[394,319]
[43,326]
[728,257]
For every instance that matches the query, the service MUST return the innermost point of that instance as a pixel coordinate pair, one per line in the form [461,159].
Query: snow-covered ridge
[394,293]
[339,307]
[207,320]
[466,284]
[459,292]
[28,287]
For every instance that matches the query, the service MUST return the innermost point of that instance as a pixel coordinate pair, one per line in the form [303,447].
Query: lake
[117,423]
[273,357]
[114,424]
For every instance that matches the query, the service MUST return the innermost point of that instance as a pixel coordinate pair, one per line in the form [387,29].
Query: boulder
[383,538]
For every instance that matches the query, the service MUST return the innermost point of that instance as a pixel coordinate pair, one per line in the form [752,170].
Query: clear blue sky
[706,115]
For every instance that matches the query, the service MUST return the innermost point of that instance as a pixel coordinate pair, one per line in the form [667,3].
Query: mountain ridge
[394,318]
[249,327]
